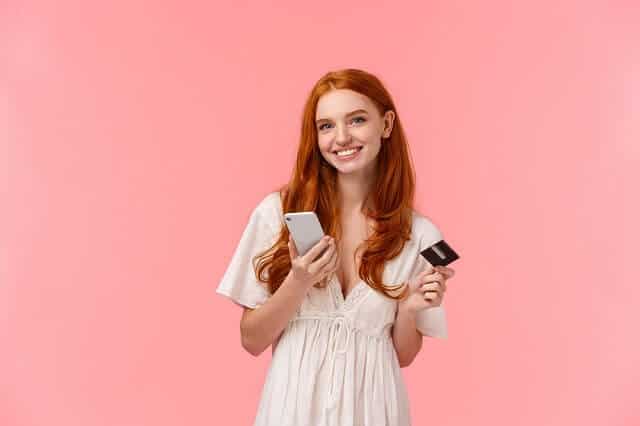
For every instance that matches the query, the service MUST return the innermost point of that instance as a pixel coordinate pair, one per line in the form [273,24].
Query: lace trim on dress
[355,295]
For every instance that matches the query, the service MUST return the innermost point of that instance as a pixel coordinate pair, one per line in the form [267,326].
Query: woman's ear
[389,116]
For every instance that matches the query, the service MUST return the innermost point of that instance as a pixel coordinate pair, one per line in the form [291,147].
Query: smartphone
[305,230]
[439,253]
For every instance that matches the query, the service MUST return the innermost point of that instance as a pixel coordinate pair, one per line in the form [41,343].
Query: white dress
[335,363]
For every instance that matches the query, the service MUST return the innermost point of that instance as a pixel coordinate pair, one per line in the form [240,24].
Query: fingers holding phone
[323,262]
[313,254]
[316,264]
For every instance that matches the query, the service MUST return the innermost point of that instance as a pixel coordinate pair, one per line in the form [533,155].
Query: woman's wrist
[403,303]
[301,285]
[406,308]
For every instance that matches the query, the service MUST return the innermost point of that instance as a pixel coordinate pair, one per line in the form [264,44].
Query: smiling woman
[343,323]
[350,127]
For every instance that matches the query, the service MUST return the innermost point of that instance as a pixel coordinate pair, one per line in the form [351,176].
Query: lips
[346,149]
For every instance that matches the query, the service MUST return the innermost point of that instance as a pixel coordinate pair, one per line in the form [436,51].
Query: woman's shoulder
[270,202]
[269,208]
[424,230]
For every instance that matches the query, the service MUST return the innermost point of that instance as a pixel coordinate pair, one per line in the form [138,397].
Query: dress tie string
[339,330]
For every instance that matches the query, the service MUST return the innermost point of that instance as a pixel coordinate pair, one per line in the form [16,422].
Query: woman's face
[346,119]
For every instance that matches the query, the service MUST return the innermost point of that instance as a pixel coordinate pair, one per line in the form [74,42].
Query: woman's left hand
[426,290]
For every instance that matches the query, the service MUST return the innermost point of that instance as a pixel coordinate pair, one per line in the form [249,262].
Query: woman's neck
[353,189]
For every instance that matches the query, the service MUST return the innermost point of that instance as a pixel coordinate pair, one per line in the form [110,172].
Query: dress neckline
[352,297]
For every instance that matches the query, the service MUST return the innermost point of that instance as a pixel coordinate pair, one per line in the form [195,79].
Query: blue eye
[360,118]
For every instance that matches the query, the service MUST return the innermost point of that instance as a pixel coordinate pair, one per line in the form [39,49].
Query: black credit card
[439,254]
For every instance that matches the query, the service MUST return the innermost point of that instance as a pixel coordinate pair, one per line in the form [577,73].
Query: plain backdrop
[140,135]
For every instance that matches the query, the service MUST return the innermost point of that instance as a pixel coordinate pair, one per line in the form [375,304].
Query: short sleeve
[431,321]
[239,282]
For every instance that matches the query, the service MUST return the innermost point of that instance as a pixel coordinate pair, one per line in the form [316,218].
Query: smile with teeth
[347,152]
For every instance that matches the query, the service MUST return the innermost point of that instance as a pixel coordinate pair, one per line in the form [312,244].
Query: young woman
[341,325]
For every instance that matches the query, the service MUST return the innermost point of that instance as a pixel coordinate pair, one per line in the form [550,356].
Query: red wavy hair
[313,187]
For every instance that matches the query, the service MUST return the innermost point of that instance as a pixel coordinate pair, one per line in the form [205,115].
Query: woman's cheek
[367,135]
[325,144]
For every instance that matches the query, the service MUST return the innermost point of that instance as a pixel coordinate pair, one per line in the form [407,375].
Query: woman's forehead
[340,102]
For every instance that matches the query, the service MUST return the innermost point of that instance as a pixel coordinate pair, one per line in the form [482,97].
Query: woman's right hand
[307,269]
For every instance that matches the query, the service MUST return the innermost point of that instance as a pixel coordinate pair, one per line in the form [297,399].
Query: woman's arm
[260,327]
[406,338]
[426,290]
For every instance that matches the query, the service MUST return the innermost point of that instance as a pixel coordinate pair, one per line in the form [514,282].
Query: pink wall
[140,135]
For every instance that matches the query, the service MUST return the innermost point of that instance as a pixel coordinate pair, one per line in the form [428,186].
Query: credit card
[439,253]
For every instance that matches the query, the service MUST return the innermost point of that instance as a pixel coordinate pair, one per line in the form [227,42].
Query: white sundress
[335,362]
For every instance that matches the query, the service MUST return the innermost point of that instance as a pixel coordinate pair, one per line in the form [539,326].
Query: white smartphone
[305,229]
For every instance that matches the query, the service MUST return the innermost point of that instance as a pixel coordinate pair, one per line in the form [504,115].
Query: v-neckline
[345,298]
[341,296]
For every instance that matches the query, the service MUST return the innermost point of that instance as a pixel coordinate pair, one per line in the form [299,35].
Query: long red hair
[313,187]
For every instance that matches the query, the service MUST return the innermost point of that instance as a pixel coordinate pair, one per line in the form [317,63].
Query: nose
[342,135]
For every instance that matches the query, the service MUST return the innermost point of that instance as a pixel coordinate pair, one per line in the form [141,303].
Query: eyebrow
[358,111]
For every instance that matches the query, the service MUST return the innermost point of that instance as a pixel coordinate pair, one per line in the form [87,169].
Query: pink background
[141,135]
